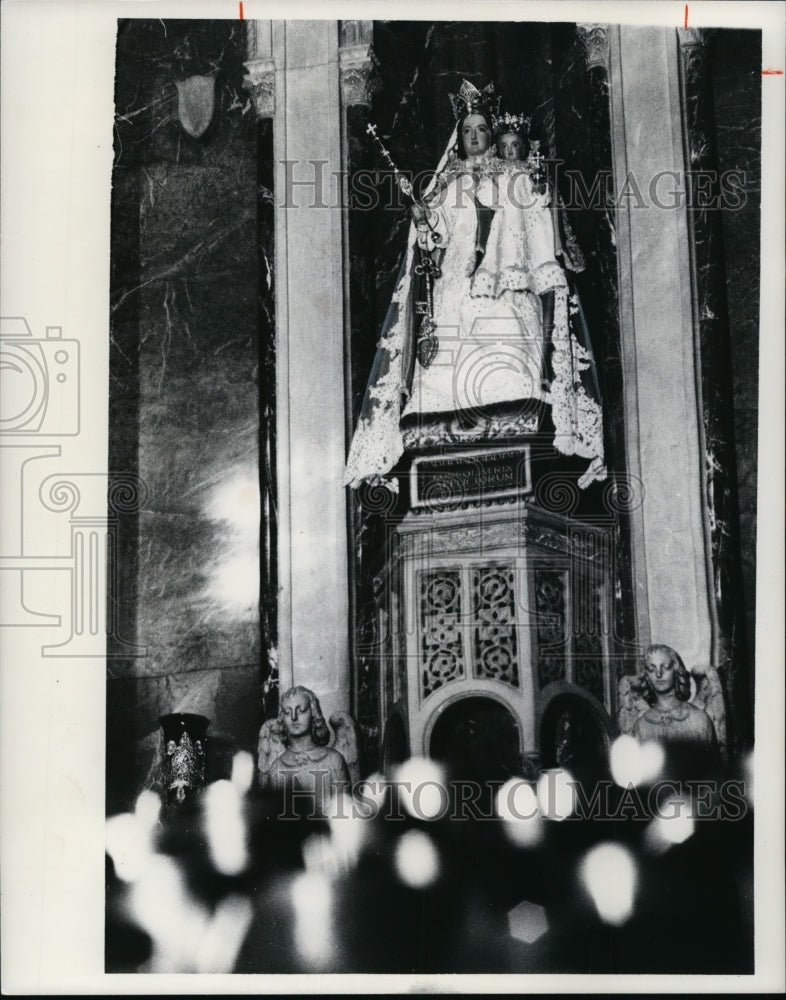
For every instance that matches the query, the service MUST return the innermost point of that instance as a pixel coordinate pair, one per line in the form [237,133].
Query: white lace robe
[488,320]
[489,325]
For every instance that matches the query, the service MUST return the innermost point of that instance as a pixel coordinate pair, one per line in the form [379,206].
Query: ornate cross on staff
[427,267]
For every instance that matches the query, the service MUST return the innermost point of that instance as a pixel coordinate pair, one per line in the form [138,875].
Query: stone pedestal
[510,604]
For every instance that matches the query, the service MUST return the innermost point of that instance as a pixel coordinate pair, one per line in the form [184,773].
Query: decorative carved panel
[550,605]
[440,620]
[495,653]
[587,642]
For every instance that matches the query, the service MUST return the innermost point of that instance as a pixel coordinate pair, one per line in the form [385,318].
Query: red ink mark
[772,72]
[686,15]
[240,5]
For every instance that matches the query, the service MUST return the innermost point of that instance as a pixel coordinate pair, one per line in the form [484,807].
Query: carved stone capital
[359,82]
[260,80]
[356,33]
[595,39]
[691,36]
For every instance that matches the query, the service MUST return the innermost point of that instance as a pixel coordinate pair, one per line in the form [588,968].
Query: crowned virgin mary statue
[477,339]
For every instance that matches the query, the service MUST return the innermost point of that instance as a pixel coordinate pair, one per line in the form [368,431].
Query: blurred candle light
[421,788]
[161,904]
[225,827]
[371,794]
[634,763]
[674,824]
[319,855]
[517,806]
[348,831]
[416,859]
[609,874]
[312,901]
[556,794]
[147,809]
[129,841]
[242,771]
[224,935]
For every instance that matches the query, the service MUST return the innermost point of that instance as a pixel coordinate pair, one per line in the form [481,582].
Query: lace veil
[377,444]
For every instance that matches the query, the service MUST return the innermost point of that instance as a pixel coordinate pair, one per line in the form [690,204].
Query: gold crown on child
[511,123]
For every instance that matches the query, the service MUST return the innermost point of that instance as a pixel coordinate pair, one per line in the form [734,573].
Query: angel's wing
[630,703]
[346,742]
[709,696]
[270,747]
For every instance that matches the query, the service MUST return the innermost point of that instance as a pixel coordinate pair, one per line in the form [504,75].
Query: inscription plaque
[470,477]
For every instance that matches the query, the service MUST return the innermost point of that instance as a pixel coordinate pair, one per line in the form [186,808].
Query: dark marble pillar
[185,394]
[260,82]
[707,198]
[359,81]
[735,65]
[586,186]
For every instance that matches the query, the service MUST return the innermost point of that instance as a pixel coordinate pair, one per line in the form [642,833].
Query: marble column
[660,400]
[260,81]
[359,82]
[312,529]
[603,273]
[714,367]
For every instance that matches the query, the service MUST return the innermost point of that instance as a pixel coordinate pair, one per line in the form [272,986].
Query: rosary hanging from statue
[426,266]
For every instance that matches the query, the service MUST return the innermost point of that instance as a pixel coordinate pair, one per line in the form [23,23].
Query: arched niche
[574,732]
[477,738]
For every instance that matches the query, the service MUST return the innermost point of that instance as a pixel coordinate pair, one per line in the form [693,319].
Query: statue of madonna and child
[478,339]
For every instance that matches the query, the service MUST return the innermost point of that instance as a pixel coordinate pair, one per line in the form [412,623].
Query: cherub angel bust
[294,752]
[661,706]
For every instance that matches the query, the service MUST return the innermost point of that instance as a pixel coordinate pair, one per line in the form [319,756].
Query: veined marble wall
[187,349]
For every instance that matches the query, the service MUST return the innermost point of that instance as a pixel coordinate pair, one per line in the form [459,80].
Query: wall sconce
[196,102]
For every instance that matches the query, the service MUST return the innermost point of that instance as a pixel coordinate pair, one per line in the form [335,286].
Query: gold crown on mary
[471,101]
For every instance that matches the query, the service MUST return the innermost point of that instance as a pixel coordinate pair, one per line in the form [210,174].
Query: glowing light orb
[556,794]
[674,824]
[417,860]
[634,763]
[225,828]
[242,771]
[129,845]
[517,806]
[348,830]
[422,788]
[610,875]
[312,901]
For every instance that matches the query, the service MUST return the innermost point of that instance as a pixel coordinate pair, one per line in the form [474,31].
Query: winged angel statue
[298,751]
[669,704]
